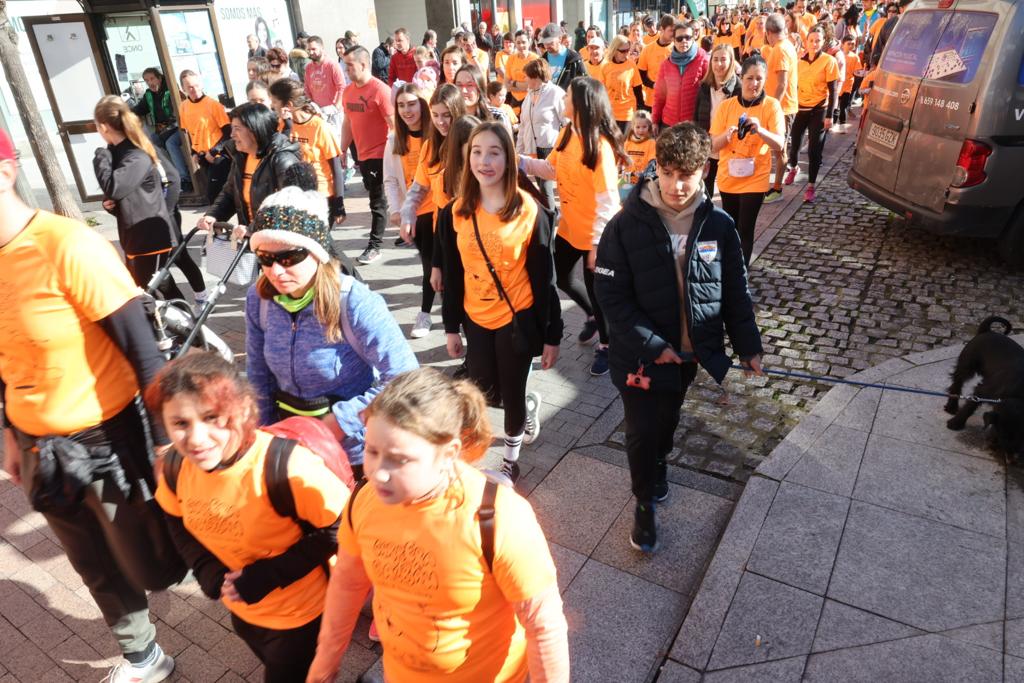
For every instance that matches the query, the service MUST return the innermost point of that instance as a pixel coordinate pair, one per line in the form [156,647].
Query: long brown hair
[454,158]
[469,187]
[326,301]
[592,111]
[482,112]
[290,93]
[448,95]
[402,131]
[112,111]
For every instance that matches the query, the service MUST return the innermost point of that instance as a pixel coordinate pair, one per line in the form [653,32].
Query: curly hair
[684,147]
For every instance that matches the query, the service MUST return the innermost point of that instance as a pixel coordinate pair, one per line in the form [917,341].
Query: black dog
[1000,362]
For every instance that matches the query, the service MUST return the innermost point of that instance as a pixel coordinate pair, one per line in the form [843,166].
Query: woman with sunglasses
[679,78]
[279,67]
[621,78]
[318,343]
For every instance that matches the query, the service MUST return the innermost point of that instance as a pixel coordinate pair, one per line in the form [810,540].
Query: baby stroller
[177,326]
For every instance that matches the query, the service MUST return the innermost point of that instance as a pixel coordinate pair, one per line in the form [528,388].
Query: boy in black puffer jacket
[671,243]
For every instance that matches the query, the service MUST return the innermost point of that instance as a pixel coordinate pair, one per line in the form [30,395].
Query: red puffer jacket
[675,96]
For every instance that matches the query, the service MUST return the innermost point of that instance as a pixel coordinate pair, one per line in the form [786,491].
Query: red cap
[7,151]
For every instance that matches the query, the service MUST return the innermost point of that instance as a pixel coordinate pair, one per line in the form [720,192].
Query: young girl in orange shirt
[639,144]
[455,604]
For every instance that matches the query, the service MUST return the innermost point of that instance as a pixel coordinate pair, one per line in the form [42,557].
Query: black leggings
[743,207]
[566,257]
[286,653]
[499,371]
[184,261]
[142,269]
[844,108]
[424,241]
[812,121]
[709,182]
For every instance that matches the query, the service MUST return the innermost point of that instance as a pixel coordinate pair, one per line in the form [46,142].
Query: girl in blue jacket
[318,342]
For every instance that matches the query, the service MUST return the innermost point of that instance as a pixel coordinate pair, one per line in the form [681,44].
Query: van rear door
[944,104]
[891,102]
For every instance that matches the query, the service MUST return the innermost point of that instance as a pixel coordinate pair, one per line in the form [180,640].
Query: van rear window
[939,45]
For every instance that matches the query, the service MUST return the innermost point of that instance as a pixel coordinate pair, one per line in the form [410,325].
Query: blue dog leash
[867,385]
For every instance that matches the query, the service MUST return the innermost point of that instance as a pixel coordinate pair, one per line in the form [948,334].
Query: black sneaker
[589,334]
[599,367]
[645,530]
[368,256]
[461,372]
[661,492]
[510,470]
[400,243]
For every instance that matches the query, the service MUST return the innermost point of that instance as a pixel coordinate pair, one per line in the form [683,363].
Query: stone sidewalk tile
[778,671]
[832,463]
[601,605]
[842,626]
[674,672]
[567,563]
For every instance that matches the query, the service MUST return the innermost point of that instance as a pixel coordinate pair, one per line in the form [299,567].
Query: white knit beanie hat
[295,217]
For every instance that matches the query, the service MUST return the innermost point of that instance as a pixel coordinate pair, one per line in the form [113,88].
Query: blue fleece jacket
[299,360]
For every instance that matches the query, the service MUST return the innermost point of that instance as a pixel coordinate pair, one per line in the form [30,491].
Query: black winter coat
[128,176]
[702,114]
[636,286]
[267,179]
[540,267]
[574,67]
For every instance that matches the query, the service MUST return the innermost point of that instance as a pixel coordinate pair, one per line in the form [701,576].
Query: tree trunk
[63,201]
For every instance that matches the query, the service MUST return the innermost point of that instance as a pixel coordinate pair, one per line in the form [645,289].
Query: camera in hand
[744,126]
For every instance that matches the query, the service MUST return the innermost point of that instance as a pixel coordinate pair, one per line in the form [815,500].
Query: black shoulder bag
[526,336]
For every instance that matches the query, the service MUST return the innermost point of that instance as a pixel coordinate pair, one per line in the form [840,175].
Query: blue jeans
[172,143]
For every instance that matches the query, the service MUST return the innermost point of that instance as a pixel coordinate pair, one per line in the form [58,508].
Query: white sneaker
[158,670]
[421,328]
[532,417]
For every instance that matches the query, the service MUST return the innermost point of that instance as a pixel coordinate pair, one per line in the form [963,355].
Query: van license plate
[886,137]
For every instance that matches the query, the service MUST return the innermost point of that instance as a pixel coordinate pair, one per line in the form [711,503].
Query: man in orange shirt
[208,127]
[781,83]
[653,54]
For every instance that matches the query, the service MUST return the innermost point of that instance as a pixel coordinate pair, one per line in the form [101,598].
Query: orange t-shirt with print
[619,80]
[640,153]
[432,177]
[770,117]
[814,78]
[782,57]
[514,70]
[62,371]
[228,512]
[594,70]
[410,164]
[442,616]
[506,244]
[203,120]
[318,146]
[578,186]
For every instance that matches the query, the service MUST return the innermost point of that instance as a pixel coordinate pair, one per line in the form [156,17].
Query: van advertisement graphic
[939,46]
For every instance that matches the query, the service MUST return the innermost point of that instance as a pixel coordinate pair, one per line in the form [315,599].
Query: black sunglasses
[684,39]
[287,259]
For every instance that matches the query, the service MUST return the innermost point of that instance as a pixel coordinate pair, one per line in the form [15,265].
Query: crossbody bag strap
[490,267]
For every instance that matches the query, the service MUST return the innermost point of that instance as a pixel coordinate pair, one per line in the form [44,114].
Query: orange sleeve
[328,144]
[320,497]
[523,567]
[77,262]
[165,498]
[220,114]
[636,78]
[832,72]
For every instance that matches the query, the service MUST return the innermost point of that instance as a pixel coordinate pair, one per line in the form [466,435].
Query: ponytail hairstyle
[111,110]
[291,93]
[592,111]
[401,129]
[436,408]
[448,95]
[454,157]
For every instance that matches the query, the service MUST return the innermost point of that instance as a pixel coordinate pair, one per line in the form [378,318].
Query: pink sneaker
[791,175]
[809,194]
[372,634]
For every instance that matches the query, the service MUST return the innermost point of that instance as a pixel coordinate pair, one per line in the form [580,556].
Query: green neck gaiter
[295,305]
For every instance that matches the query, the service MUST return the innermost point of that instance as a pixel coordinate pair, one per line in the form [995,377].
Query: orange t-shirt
[229,513]
[62,371]
[754,41]
[506,245]
[251,162]
[853,64]
[770,117]
[649,38]
[640,153]
[432,177]
[814,78]
[577,187]
[594,70]
[500,62]
[782,57]
[650,61]
[410,164]
[514,70]
[442,617]
[619,80]
[318,146]
[722,40]
[203,120]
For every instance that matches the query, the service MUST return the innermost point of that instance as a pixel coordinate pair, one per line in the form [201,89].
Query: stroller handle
[243,246]
[159,276]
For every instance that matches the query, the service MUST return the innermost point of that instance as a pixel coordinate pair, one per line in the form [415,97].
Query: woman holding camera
[745,130]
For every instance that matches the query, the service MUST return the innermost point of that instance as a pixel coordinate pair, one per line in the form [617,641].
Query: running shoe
[644,536]
[157,670]
[809,195]
[791,175]
[372,633]
[421,328]
[589,334]
[399,242]
[661,492]
[773,196]
[532,417]
[599,367]
[509,470]
[369,255]
[462,371]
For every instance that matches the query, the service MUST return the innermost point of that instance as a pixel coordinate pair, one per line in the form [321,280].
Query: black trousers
[566,258]
[500,372]
[844,107]
[651,421]
[216,175]
[286,653]
[424,241]
[743,207]
[372,171]
[143,267]
[811,121]
[709,182]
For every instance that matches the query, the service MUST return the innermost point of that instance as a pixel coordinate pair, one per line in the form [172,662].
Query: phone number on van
[952,105]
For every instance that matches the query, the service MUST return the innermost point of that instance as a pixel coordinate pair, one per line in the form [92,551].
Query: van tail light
[945,4]
[970,165]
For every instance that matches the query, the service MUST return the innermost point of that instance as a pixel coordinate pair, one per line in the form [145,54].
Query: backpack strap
[264,307]
[275,476]
[171,469]
[486,516]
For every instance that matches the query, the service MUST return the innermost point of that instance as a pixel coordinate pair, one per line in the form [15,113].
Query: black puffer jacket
[268,178]
[637,288]
[574,67]
[702,114]
[128,176]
